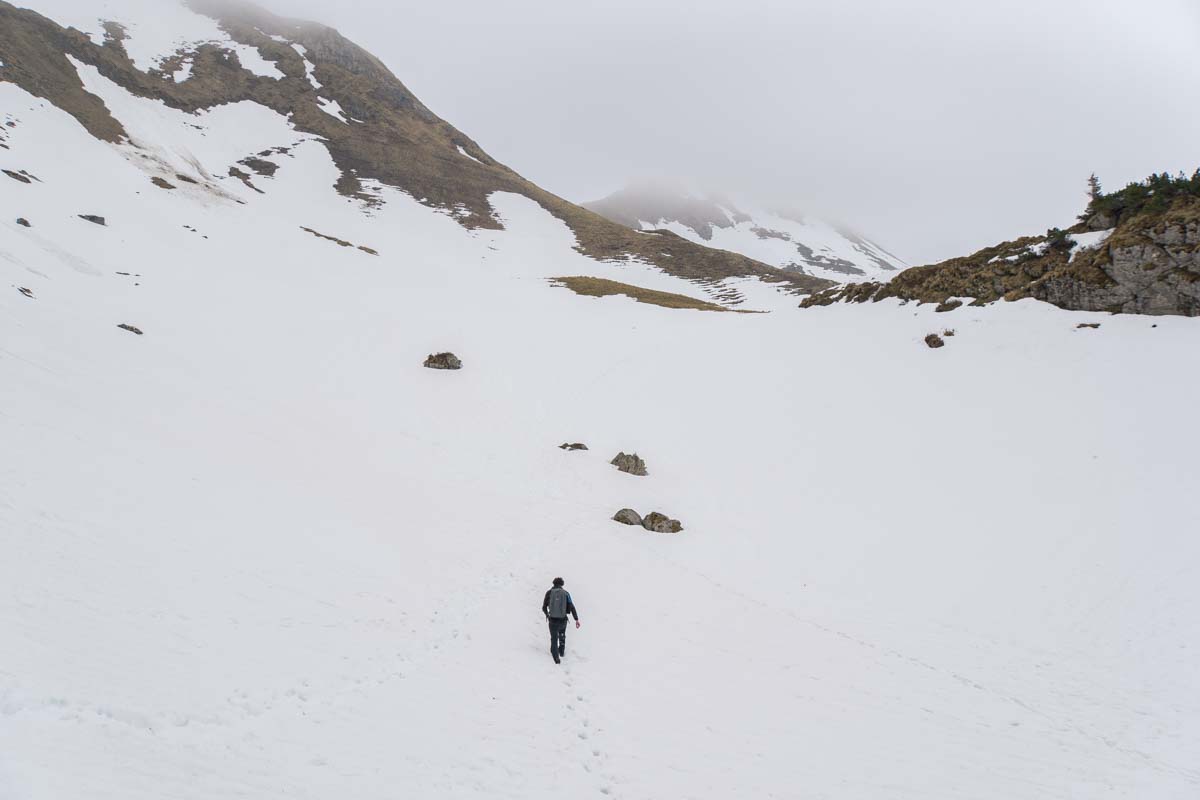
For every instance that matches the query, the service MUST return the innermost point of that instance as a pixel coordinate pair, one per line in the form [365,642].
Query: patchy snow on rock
[332,108]
[154,29]
[309,68]
[1089,240]
[185,70]
[791,241]
[468,155]
[260,551]
[165,141]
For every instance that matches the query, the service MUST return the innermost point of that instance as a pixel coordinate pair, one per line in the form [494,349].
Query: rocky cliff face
[375,129]
[1147,263]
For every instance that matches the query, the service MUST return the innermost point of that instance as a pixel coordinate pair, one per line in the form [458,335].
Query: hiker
[556,606]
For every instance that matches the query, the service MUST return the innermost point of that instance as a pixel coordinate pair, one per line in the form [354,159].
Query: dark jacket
[570,605]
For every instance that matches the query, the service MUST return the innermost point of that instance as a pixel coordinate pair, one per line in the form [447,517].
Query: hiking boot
[555,656]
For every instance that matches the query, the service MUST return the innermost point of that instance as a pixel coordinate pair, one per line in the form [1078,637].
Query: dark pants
[558,636]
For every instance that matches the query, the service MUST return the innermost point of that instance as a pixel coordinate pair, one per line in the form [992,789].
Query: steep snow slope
[260,552]
[793,242]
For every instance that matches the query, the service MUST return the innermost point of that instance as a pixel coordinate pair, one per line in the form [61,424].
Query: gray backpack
[558,602]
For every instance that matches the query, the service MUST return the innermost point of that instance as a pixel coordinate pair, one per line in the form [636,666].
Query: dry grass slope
[602,287]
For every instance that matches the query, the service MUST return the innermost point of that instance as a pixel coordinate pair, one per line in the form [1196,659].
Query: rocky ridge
[1140,259]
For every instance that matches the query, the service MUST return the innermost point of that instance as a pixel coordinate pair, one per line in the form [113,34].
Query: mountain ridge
[387,135]
[789,241]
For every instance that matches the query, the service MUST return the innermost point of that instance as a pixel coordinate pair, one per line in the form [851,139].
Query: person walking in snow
[556,606]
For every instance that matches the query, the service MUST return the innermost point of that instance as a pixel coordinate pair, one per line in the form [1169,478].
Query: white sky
[934,126]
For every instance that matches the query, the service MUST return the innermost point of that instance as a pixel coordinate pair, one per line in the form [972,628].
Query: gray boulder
[633,464]
[934,341]
[572,446]
[661,523]
[627,516]
[1101,221]
[443,361]
[95,220]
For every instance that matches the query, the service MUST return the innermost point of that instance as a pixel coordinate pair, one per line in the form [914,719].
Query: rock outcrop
[631,463]
[131,328]
[661,523]
[627,516]
[572,446]
[655,522]
[443,361]
[1148,264]
[934,341]
[92,218]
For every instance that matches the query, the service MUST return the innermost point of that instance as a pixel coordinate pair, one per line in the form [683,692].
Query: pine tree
[1094,190]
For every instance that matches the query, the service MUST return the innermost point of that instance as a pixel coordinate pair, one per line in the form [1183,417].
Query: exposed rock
[934,341]
[186,179]
[92,218]
[24,223]
[339,242]
[1101,221]
[244,177]
[27,292]
[661,523]
[948,332]
[131,328]
[16,176]
[161,183]
[261,166]
[573,446]
[443,361]
[1150,264]
[1088,325]
[627,516]
[949,305]
[633,464]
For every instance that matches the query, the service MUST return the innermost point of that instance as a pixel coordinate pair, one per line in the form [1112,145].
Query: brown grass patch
[602,287]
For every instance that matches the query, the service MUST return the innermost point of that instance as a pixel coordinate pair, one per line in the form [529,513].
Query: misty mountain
[792,242]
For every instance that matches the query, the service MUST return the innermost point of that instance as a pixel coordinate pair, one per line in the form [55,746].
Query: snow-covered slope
[788,241]
[259,551]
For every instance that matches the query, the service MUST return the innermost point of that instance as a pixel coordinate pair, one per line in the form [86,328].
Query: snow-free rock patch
[443,361]
[573,446]
[631,463]
[24,223]
[934,341]
[627,516]
[92,218]
[656,522]
[131,328]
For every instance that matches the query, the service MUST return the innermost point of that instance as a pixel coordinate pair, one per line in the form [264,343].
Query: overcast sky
[934,126]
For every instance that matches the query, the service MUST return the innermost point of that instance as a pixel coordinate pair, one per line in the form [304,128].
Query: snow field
[260,552]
